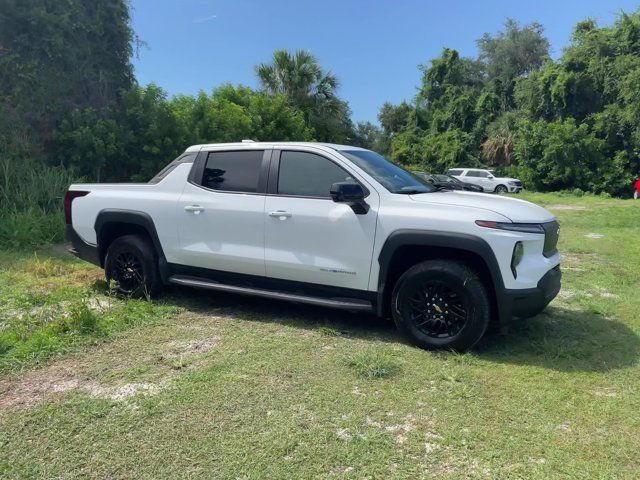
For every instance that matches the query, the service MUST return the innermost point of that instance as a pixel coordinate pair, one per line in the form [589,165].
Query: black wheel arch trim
[434,238]
[131,217]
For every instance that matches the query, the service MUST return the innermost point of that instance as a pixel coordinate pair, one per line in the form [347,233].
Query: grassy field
[202,385]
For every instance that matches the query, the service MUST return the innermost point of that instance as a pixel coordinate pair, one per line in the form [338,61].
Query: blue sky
[374,47]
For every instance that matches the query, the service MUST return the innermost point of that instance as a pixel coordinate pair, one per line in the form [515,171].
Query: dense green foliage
[145,130]
[573,123]
[55,56]
[71,108]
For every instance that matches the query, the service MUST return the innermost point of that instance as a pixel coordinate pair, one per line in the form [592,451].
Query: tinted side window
[477,174]
[233,171]
[308,174]
[455,172]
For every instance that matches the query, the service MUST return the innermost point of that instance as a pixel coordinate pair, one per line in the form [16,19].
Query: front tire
[441,304]
[500,189]
[132,265]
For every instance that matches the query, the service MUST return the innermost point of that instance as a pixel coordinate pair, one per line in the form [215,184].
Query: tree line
[69,101]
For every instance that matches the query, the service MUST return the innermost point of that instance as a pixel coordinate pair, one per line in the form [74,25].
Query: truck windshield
[390,176]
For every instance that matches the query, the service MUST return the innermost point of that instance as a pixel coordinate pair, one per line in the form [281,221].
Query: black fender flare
[434,238]
[131,217]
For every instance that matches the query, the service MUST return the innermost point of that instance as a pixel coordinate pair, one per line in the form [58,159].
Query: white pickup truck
[327,225]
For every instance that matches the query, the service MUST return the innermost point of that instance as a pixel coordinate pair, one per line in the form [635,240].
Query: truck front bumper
[529,302]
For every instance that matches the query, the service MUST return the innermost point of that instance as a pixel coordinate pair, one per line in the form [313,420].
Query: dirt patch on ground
[140,364]
[577,257]
[605,392]
[576,261]
[566,207]
[177,349]
[60,248]
[566,294]
[31,387]
[605,294]
[34,387]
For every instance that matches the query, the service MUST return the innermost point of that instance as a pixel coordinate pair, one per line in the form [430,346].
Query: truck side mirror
[350,193]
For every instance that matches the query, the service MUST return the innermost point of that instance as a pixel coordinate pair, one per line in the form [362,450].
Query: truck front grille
[551,235]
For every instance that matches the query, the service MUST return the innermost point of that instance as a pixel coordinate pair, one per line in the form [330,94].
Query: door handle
[281,214]
[194,208]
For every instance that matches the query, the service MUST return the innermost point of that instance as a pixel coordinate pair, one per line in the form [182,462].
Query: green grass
[218,386]
[52,304]
[373,363]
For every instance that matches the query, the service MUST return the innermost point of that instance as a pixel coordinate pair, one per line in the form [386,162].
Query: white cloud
[208,18]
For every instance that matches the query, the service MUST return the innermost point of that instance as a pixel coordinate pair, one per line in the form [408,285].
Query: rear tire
[132,264]
[441,304]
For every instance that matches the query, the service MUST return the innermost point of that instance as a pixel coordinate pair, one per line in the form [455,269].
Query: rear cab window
[161,175]
[232,171]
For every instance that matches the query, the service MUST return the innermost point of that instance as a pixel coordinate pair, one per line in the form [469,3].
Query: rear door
[477,178]
[220,216]
[309,237]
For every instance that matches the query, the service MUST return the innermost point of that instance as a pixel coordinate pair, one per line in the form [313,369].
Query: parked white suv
[329,225]
[486,180]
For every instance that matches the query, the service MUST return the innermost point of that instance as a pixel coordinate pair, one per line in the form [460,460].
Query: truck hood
[515,210]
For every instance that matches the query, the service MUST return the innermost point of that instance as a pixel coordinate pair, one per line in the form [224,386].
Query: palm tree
[298,77]
[498,148]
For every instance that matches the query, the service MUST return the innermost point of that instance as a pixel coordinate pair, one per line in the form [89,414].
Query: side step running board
[342,303]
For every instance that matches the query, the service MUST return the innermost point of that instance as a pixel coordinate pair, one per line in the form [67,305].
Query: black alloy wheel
[437,310]
[441,304]
[132,265]
[127,272]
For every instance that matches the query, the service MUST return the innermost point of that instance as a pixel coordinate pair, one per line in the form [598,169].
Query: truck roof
[244,144]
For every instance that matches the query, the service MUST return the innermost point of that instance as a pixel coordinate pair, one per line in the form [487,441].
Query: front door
[309,237]
[221,213]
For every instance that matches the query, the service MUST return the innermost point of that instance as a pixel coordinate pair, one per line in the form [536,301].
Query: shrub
[81,318]
[31,203]
[374,364]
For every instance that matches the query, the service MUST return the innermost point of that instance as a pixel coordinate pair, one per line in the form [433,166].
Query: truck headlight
[516,258]
[513,227]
